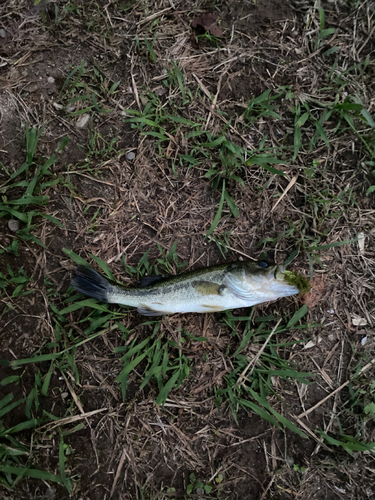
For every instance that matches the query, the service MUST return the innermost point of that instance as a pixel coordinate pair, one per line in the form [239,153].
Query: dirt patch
[165,141]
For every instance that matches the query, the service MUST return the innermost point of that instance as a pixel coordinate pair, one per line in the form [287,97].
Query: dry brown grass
[112,206]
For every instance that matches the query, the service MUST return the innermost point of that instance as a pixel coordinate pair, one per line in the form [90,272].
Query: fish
[212,289]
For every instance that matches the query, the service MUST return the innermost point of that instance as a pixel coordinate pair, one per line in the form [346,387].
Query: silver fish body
[212,289]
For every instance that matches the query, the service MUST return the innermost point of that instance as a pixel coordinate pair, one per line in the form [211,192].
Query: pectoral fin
[148,311]
[208,288]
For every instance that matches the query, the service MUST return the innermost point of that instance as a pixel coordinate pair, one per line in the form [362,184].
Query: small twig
[118,471]
[289,186]
[268,487]
[135,90]
[153,16]
[233,249]
[70,420]
[314,436]
[305,413]
[214,101]
[366,41]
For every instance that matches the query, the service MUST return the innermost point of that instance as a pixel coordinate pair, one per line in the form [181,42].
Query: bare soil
[109,204]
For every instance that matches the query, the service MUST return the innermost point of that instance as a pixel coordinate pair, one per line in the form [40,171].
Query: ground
[143,145]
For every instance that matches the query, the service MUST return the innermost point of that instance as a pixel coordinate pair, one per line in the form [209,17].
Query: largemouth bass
[217,288]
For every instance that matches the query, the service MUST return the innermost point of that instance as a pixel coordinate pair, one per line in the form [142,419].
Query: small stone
[70,109]
[130,156]
[33,87]
[83,120]
[160,91]
[57,106]
[13,225]
[50,79]
[2,33]
[289,460]
[144,100]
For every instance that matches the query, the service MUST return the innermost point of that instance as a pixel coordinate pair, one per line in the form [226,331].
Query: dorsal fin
[150,280]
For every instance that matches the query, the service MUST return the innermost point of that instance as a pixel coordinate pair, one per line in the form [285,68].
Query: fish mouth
[281,268]
[279,272]
[279,276]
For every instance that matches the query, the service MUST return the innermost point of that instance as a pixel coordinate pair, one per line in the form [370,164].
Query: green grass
[315,124]
[152,362]
[13,283]
[226,160]
[89,14]
[159,362]
[22,192]
[150,357]
[249,384]
[17,460]
[87,90]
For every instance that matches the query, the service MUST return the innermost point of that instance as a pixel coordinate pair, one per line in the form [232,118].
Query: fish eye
[263,264]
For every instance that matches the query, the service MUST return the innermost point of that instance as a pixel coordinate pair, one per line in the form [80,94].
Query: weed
[348,443]
[168,371]
[226,160]
[154,355]
[347,115]
[261,106]
[85,90]
[89,15]
[324,33]
[33,183]
[11,249]
[14,282]
[14,454]
[153,58]
[206,37]
[151,356]
[198,487]
[250,383]
[100,148]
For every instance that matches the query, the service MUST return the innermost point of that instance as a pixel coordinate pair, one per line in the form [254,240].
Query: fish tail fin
[91,283]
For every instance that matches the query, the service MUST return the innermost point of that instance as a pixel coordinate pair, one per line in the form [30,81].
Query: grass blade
[297,316]
[34,473]
[218,213]
[167,388]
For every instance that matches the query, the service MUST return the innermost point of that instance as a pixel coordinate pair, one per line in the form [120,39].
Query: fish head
[266,281]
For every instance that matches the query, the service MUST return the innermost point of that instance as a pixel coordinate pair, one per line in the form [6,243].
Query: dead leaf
[358,321]
[312,343]
[207,22]
[309,344]
[314,296]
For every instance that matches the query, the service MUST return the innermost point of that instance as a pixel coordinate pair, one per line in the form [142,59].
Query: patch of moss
[297,280]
